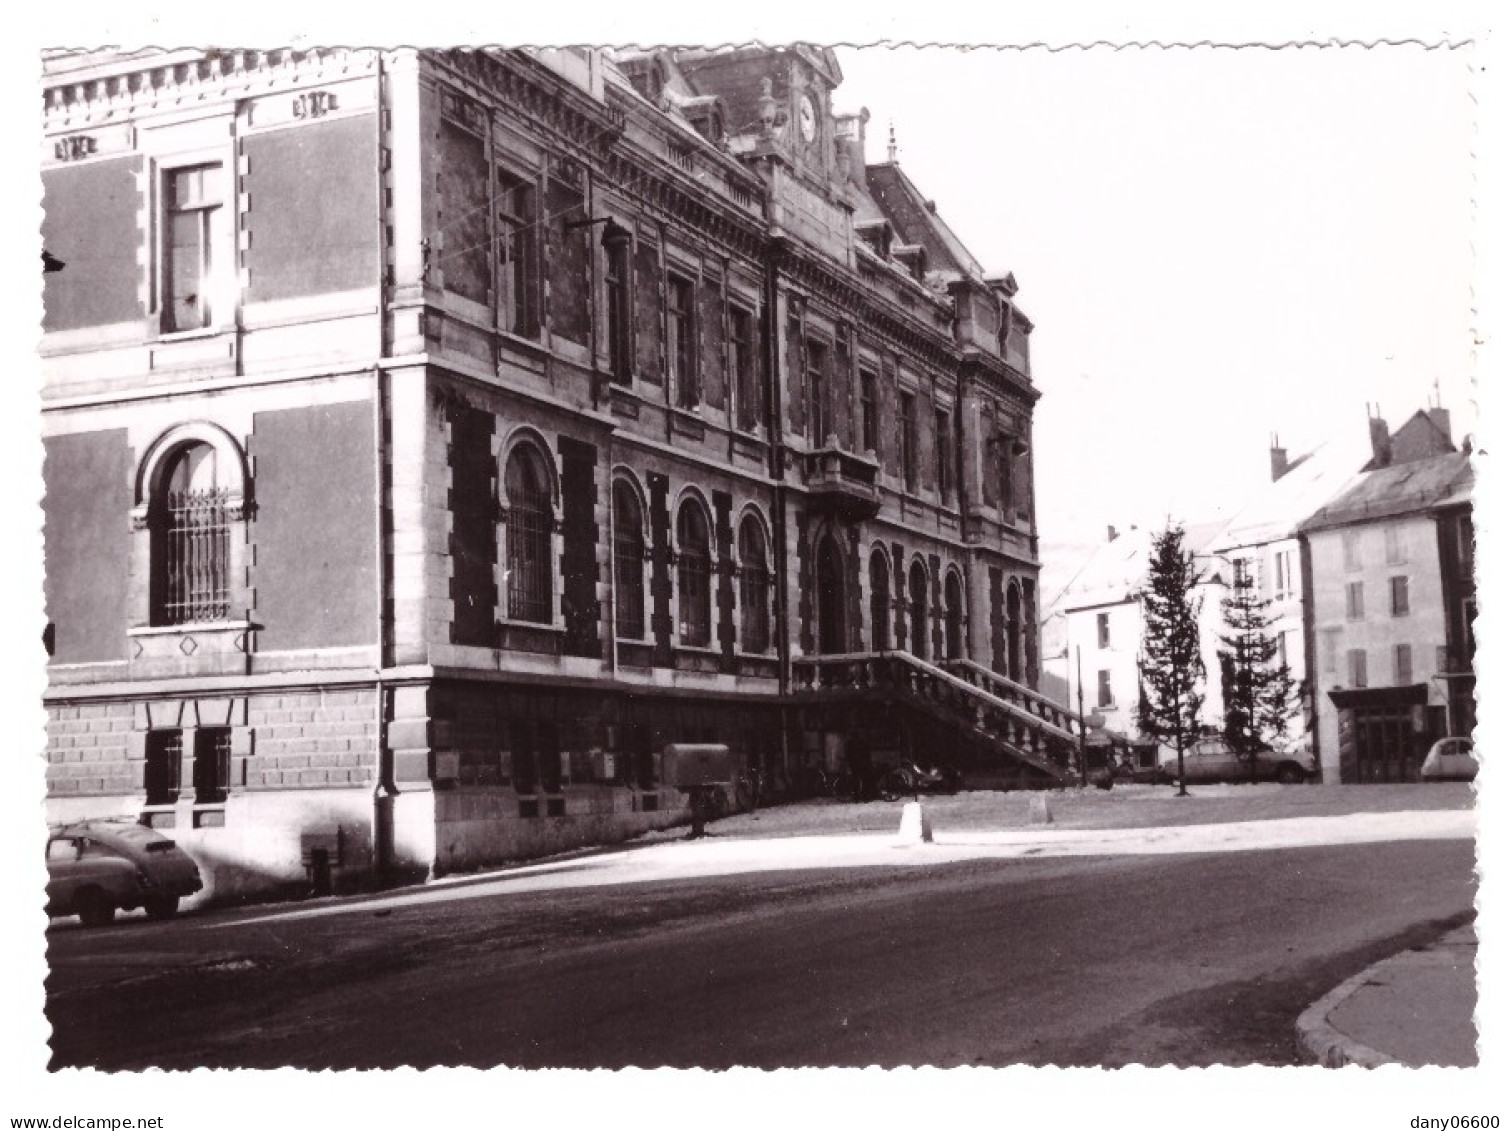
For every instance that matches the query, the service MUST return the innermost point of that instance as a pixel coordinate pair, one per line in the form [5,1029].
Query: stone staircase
[1034,732]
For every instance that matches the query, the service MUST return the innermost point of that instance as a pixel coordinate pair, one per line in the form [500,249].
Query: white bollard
[1038,810]
[915,828]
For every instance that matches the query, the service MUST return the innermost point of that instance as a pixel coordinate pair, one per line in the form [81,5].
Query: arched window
[191,520]
[527,535]
[629,563]
[881,602]
[918,610]
[1014,634]
[755,587]
[693,569]
[954,616]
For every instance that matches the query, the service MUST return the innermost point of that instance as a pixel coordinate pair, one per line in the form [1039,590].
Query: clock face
[807,118]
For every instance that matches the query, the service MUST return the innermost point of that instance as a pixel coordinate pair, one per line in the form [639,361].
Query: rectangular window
[1004,469]
[165,752]
[518,254]
[818,401]
[1400,599]
[1104,630]
[1241,572]
[1358,670]
[944,455]
[191,201]
[1355,596]
[1104,689]
[1330,650]
[1350,549]
[747,390]
[212,765]
[869,421]
[909,442]
[1395,550]
[1285,586]
[1466,546]
[617,295]
[1281,649]
[1403,663]
[681,353]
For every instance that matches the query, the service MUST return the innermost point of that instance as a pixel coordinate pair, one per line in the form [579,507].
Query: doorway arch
[881,602]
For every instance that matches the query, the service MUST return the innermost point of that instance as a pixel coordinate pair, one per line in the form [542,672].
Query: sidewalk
[1415,1008]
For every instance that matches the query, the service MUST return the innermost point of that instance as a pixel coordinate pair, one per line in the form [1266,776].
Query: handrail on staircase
[1038,722]
[1028,693]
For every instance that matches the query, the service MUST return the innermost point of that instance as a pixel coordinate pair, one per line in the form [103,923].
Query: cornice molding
[169,81]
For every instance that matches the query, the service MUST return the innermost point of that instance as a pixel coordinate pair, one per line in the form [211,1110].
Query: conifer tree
[1257,693]
[1170,664]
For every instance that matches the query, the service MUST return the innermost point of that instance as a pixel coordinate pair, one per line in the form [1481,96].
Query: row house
[1391,602]
[1368,575]
[431,436]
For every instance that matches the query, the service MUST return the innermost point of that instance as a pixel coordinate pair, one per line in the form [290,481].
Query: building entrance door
[1387,747]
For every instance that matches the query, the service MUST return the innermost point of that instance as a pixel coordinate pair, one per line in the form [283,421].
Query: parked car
[1213,760]
[1450,759]
[96,867]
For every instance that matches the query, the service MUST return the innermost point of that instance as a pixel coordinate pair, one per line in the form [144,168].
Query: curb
[1328,1046]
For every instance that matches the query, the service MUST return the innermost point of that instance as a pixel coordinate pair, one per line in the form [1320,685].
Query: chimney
[1112,533]
[1379,442]
[850,143]
[1278,463]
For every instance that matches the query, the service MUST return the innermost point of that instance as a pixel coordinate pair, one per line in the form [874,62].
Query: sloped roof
[1408,488]
[917,222]
[1283,504]
[1116,570]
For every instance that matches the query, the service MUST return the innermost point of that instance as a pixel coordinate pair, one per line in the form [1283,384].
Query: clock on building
[807,118]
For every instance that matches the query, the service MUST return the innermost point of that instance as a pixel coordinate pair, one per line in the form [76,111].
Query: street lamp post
[1081,713]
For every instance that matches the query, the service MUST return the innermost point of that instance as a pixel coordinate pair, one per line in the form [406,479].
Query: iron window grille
[212,765]
[163,766]
[196,553]
[528,525]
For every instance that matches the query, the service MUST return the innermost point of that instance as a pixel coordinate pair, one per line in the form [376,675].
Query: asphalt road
[1185,959]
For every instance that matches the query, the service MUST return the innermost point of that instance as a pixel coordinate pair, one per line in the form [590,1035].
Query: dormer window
[878,236]
[913,257]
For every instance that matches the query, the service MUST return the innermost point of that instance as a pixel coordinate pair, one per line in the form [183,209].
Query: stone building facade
[431,436]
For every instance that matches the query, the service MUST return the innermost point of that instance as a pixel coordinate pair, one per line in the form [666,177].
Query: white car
[1450,759]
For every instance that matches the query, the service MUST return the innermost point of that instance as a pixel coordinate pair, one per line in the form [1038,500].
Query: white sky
[1213,244]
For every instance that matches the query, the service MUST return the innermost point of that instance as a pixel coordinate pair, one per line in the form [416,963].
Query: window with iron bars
[162,767]
[193,543]
[212,765]
[527,538]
